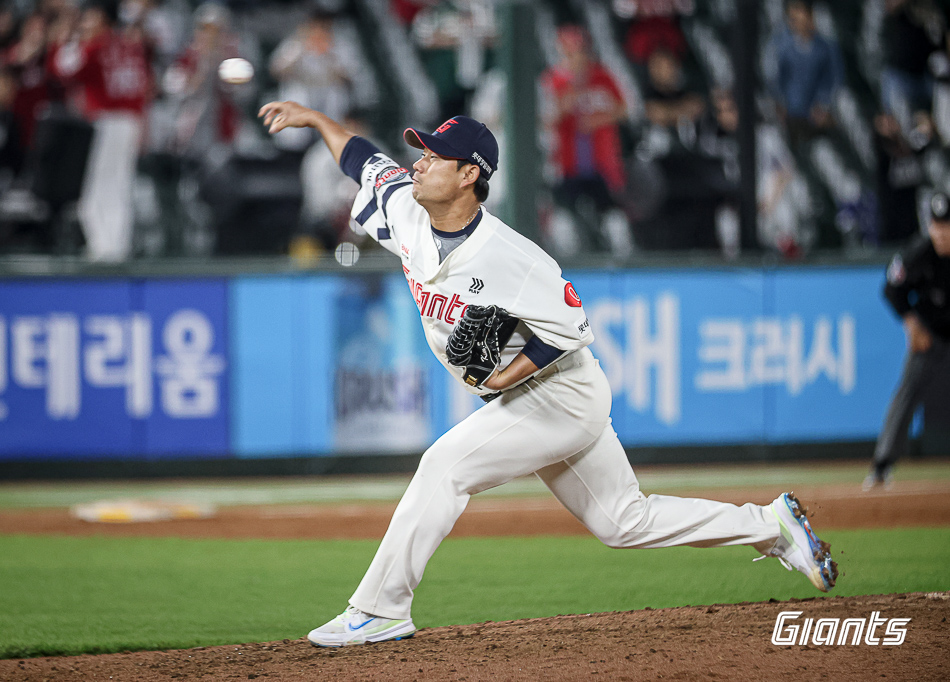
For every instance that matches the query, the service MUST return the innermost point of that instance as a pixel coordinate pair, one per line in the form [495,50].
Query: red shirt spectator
[653,25]
[589,105]
[106,72]
[107,78]
[27,59]
[406,10]
[649,34]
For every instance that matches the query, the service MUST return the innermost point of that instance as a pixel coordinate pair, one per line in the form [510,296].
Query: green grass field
[65,595]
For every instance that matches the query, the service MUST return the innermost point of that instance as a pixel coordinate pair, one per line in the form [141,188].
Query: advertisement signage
[744,356]
[312,365]
[113,368]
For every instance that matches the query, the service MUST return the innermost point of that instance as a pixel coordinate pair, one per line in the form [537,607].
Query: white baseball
[235,71]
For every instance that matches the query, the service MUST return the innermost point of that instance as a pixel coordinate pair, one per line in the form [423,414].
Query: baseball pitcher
[501,319]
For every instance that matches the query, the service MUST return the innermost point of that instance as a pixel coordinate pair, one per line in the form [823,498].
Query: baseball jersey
[110,71]
[495,265]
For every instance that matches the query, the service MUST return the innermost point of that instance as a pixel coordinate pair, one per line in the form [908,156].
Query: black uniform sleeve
[355,154]
[902,275]
[540,353]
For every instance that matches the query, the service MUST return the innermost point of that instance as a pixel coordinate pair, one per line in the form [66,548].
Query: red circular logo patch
[571,297]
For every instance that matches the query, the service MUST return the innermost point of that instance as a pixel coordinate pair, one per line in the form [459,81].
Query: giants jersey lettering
[495,265]
[435,305]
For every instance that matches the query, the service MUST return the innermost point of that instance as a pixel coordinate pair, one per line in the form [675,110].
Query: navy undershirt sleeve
[355,154]
[540,353]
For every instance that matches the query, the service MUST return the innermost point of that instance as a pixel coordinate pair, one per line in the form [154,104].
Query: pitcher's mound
[721,642]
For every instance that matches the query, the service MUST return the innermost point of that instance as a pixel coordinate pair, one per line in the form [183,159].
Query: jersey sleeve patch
[391,175]
[571,297]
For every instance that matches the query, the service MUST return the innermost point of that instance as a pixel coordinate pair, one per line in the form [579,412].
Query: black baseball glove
[477,341]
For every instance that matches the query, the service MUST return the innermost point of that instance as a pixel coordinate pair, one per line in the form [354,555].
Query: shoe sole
[827,569]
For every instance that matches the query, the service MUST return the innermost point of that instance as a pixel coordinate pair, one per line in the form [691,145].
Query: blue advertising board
[847,367]
[381,382]
[654,335]
[117,368]
[277,366]
[282,338]
[744,356]
[326,365]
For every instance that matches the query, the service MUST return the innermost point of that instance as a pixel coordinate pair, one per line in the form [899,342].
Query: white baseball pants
[105,207]
[556,425]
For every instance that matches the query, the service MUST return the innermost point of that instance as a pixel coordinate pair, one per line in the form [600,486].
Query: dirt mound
[725,642]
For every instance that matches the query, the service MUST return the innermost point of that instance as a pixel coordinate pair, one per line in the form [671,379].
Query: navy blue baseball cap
[460,137]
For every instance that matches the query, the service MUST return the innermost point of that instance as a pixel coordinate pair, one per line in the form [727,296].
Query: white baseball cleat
[799,547]
[355,627]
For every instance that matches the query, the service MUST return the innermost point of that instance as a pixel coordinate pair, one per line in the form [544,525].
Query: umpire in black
[918,288]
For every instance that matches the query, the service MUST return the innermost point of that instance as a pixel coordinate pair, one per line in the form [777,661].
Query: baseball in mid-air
[235,71]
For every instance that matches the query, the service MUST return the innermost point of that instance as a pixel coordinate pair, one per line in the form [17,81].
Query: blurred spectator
[941,94]
[488,106]
[207,114]
[900,174]
[108,81]
[160,27]
[668,101]
[11,148]
[587,107]
[406,10]
[692,184]
[316,70]
[61,18]
[8,25]
[653,25]
[913,31]
[314,67]
[808,73]
[454,37]
[781,194]
[27,59]
[53,10]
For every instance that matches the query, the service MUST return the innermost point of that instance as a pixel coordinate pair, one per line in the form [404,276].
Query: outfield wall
[322,364]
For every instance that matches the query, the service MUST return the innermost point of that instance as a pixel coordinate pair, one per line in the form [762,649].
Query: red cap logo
[571,297]
[445,126]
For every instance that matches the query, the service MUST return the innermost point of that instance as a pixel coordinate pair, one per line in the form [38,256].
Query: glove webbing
[462,340]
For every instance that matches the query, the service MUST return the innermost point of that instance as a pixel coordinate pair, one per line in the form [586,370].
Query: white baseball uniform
[555,424]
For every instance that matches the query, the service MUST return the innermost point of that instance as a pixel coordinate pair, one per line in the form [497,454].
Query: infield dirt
[909,503]
[721,642]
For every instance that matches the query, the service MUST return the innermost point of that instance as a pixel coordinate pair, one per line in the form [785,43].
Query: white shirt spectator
[316,70]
